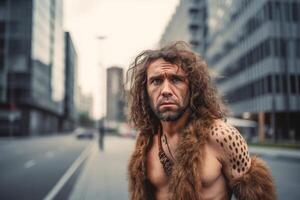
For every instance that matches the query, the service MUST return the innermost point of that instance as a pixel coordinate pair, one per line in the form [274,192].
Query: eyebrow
[151,78]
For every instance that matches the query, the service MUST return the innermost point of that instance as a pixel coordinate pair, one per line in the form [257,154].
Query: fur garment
[185,180]
[257,183]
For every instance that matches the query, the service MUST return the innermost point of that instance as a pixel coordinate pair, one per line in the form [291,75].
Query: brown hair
[204,102]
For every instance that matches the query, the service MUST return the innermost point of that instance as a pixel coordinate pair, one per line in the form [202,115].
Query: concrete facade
[115,94]
[32,67]
[188,24]
[254,48]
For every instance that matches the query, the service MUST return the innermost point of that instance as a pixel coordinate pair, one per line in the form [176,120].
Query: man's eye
[176,80]
[156,81]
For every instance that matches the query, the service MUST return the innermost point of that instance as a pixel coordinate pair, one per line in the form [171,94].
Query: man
[185,150]
[101,134]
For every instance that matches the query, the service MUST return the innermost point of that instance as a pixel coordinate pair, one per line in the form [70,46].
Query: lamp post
[101,38]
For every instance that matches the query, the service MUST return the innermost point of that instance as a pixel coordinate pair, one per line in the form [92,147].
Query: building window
[283,47]
[1,61]
[194,12]
[269,84]
[266,48]
[297,48]
[2,27]
[295,11]
[194,43]
[284,83]
[270,10]
[293,83]
[298,83]
[280,47]
[287,11]
[277,83]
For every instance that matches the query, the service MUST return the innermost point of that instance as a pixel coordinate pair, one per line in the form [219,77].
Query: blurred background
[62,72]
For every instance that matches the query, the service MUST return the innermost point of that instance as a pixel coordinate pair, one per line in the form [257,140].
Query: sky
[126,27]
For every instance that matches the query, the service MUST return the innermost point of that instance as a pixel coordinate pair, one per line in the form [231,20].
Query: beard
[168,114]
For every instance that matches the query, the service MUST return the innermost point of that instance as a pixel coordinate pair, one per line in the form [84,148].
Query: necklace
[165,140]
[166,162]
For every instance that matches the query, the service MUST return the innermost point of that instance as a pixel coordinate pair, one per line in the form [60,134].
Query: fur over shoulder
[257,183]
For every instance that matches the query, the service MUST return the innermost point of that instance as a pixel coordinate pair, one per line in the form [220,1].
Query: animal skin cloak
[185,180]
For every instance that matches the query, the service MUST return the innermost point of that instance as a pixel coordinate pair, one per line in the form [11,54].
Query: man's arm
[249,177]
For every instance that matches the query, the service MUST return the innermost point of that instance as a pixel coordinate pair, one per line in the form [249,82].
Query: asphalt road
[31,167]
[287,177]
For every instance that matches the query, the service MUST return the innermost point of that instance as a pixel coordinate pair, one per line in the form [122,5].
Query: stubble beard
[170,115]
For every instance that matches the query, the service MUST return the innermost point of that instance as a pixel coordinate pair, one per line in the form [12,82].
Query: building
[188,24]
[31,66]
[85,103]
[70,116]
[115,100]
[254,45]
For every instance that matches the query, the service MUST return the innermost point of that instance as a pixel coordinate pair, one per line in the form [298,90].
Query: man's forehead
[161,66]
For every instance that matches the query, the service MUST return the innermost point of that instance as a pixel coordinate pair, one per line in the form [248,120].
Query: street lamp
[101,69]
[101,37]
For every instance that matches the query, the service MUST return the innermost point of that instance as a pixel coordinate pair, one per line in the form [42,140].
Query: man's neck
[171,128]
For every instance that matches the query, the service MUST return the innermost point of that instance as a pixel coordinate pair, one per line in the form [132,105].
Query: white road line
[29,164]
[59,185]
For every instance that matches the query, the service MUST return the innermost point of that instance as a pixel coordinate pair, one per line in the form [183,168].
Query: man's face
[168,90]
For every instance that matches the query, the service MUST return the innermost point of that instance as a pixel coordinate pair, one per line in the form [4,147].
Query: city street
[33,169]
[287,177]
[30,167]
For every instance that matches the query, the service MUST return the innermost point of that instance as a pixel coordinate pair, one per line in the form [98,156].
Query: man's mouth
[167,104]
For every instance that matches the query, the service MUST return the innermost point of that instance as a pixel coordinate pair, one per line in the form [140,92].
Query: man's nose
[166,89]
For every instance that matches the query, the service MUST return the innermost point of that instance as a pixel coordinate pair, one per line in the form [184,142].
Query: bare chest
[211,170]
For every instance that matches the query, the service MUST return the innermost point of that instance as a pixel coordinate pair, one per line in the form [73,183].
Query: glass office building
[32,67]
[254,46]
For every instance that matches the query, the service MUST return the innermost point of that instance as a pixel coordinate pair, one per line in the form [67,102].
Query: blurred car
[85,134]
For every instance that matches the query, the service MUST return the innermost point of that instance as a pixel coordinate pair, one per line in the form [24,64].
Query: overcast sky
[129,26]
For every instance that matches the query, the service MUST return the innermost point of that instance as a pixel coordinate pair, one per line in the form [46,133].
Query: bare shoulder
[230,146]
[225,134]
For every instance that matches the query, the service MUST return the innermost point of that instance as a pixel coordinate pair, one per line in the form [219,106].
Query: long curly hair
[204,103]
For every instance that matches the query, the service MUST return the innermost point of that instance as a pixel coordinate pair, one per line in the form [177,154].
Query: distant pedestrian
[185,150]
[101,134]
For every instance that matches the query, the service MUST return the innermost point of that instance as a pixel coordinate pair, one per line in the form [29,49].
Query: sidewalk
[104,176]
[279,153]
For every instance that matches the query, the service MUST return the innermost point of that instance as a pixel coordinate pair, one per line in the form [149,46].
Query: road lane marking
[29,164]
[63,180]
